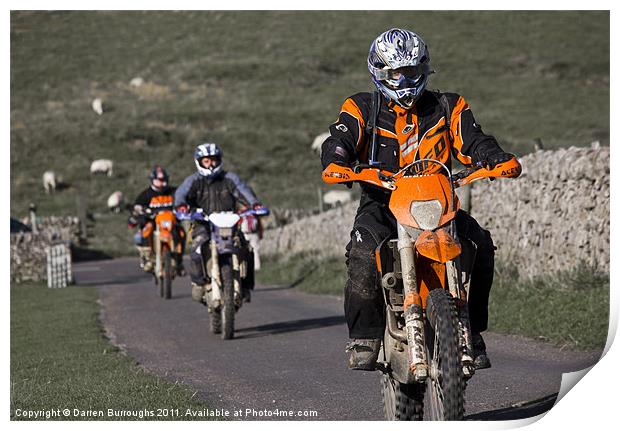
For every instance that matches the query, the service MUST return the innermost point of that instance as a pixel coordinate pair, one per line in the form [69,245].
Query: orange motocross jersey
[430,130]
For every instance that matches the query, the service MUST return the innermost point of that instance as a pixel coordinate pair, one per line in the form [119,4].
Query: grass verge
[569,309]
[60,359]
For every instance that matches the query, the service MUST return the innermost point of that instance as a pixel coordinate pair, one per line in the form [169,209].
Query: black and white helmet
[208,150]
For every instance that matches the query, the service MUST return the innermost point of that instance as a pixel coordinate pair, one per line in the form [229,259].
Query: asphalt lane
[288,353]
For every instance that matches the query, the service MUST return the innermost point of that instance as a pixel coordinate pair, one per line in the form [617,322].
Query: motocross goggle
[403,77]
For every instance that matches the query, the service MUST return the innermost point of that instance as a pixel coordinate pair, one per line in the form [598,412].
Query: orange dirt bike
[425,276]
[164,248]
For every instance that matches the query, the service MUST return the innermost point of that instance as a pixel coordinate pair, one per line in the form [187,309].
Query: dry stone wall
[325,234]
[555,217]
[28,256]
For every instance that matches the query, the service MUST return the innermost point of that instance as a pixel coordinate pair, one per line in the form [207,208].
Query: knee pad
[362,267]
[197,245]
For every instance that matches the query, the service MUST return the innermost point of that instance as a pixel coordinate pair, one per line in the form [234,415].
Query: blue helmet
[398,62]
[208,150]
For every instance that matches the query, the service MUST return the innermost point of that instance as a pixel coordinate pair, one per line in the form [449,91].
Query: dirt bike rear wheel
[165,286]
[228,303]
[446,383]
[402,402]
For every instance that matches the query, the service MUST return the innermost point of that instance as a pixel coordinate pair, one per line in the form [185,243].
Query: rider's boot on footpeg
[363,354]
[481,360]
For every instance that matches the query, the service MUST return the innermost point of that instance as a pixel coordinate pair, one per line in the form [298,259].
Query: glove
[183,208]
[132,222]
[494,159]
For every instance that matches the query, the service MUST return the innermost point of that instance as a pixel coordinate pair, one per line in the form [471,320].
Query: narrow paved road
[288,353]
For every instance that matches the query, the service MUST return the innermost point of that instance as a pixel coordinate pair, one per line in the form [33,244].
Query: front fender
[438,245]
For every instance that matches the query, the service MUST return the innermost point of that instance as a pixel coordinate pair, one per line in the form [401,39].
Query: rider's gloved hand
[183,208]
[132,222]
[258,206]
[493,159]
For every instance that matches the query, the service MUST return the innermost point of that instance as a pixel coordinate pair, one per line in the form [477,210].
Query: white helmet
[208,150]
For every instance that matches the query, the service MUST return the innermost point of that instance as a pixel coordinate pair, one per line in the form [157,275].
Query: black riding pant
[363,301]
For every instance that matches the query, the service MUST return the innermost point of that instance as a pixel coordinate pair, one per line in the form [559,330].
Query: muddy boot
[481,360]
[146,258]
[198,293]
[364,354]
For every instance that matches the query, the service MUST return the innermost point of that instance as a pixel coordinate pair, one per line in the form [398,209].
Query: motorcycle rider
[412,123]
[156,197]
[213,189]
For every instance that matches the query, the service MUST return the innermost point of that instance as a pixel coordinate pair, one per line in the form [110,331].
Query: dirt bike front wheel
[446,383]
[215,321]
[228,306]
[166,280]
[402,402]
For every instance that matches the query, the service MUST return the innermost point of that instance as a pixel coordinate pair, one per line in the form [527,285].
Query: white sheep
[136,82]
[115,201]
[336,198]
[49,181]
[318,141]
[102,166]
[98,106]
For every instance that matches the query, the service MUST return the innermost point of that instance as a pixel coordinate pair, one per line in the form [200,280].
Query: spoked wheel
[446,384]
[228,303]
[165,285]
[402,402]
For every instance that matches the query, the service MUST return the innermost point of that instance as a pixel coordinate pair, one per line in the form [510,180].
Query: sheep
[98,106]
[336,198]
[116,201]
[136,82]
[318,142]
[49,181]
[102,165]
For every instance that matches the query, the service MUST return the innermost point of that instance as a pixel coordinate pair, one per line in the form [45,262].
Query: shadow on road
[524,411]
[290,326]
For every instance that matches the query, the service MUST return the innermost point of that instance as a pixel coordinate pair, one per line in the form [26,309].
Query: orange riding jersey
[431,129]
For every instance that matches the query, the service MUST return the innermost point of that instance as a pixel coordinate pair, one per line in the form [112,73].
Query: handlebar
[199,215]
[335,174]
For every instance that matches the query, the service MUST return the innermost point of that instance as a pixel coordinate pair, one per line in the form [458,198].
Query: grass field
[263,84]
[60,359]
[570,309]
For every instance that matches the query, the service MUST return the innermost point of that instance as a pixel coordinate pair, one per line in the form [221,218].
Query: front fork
[236,266]
[157,247]
[215,293]
[414,314]
[459,292]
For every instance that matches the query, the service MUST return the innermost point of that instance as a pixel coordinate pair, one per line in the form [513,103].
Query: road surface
[288,353]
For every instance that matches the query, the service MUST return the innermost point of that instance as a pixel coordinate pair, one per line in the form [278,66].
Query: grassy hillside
[263,84]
